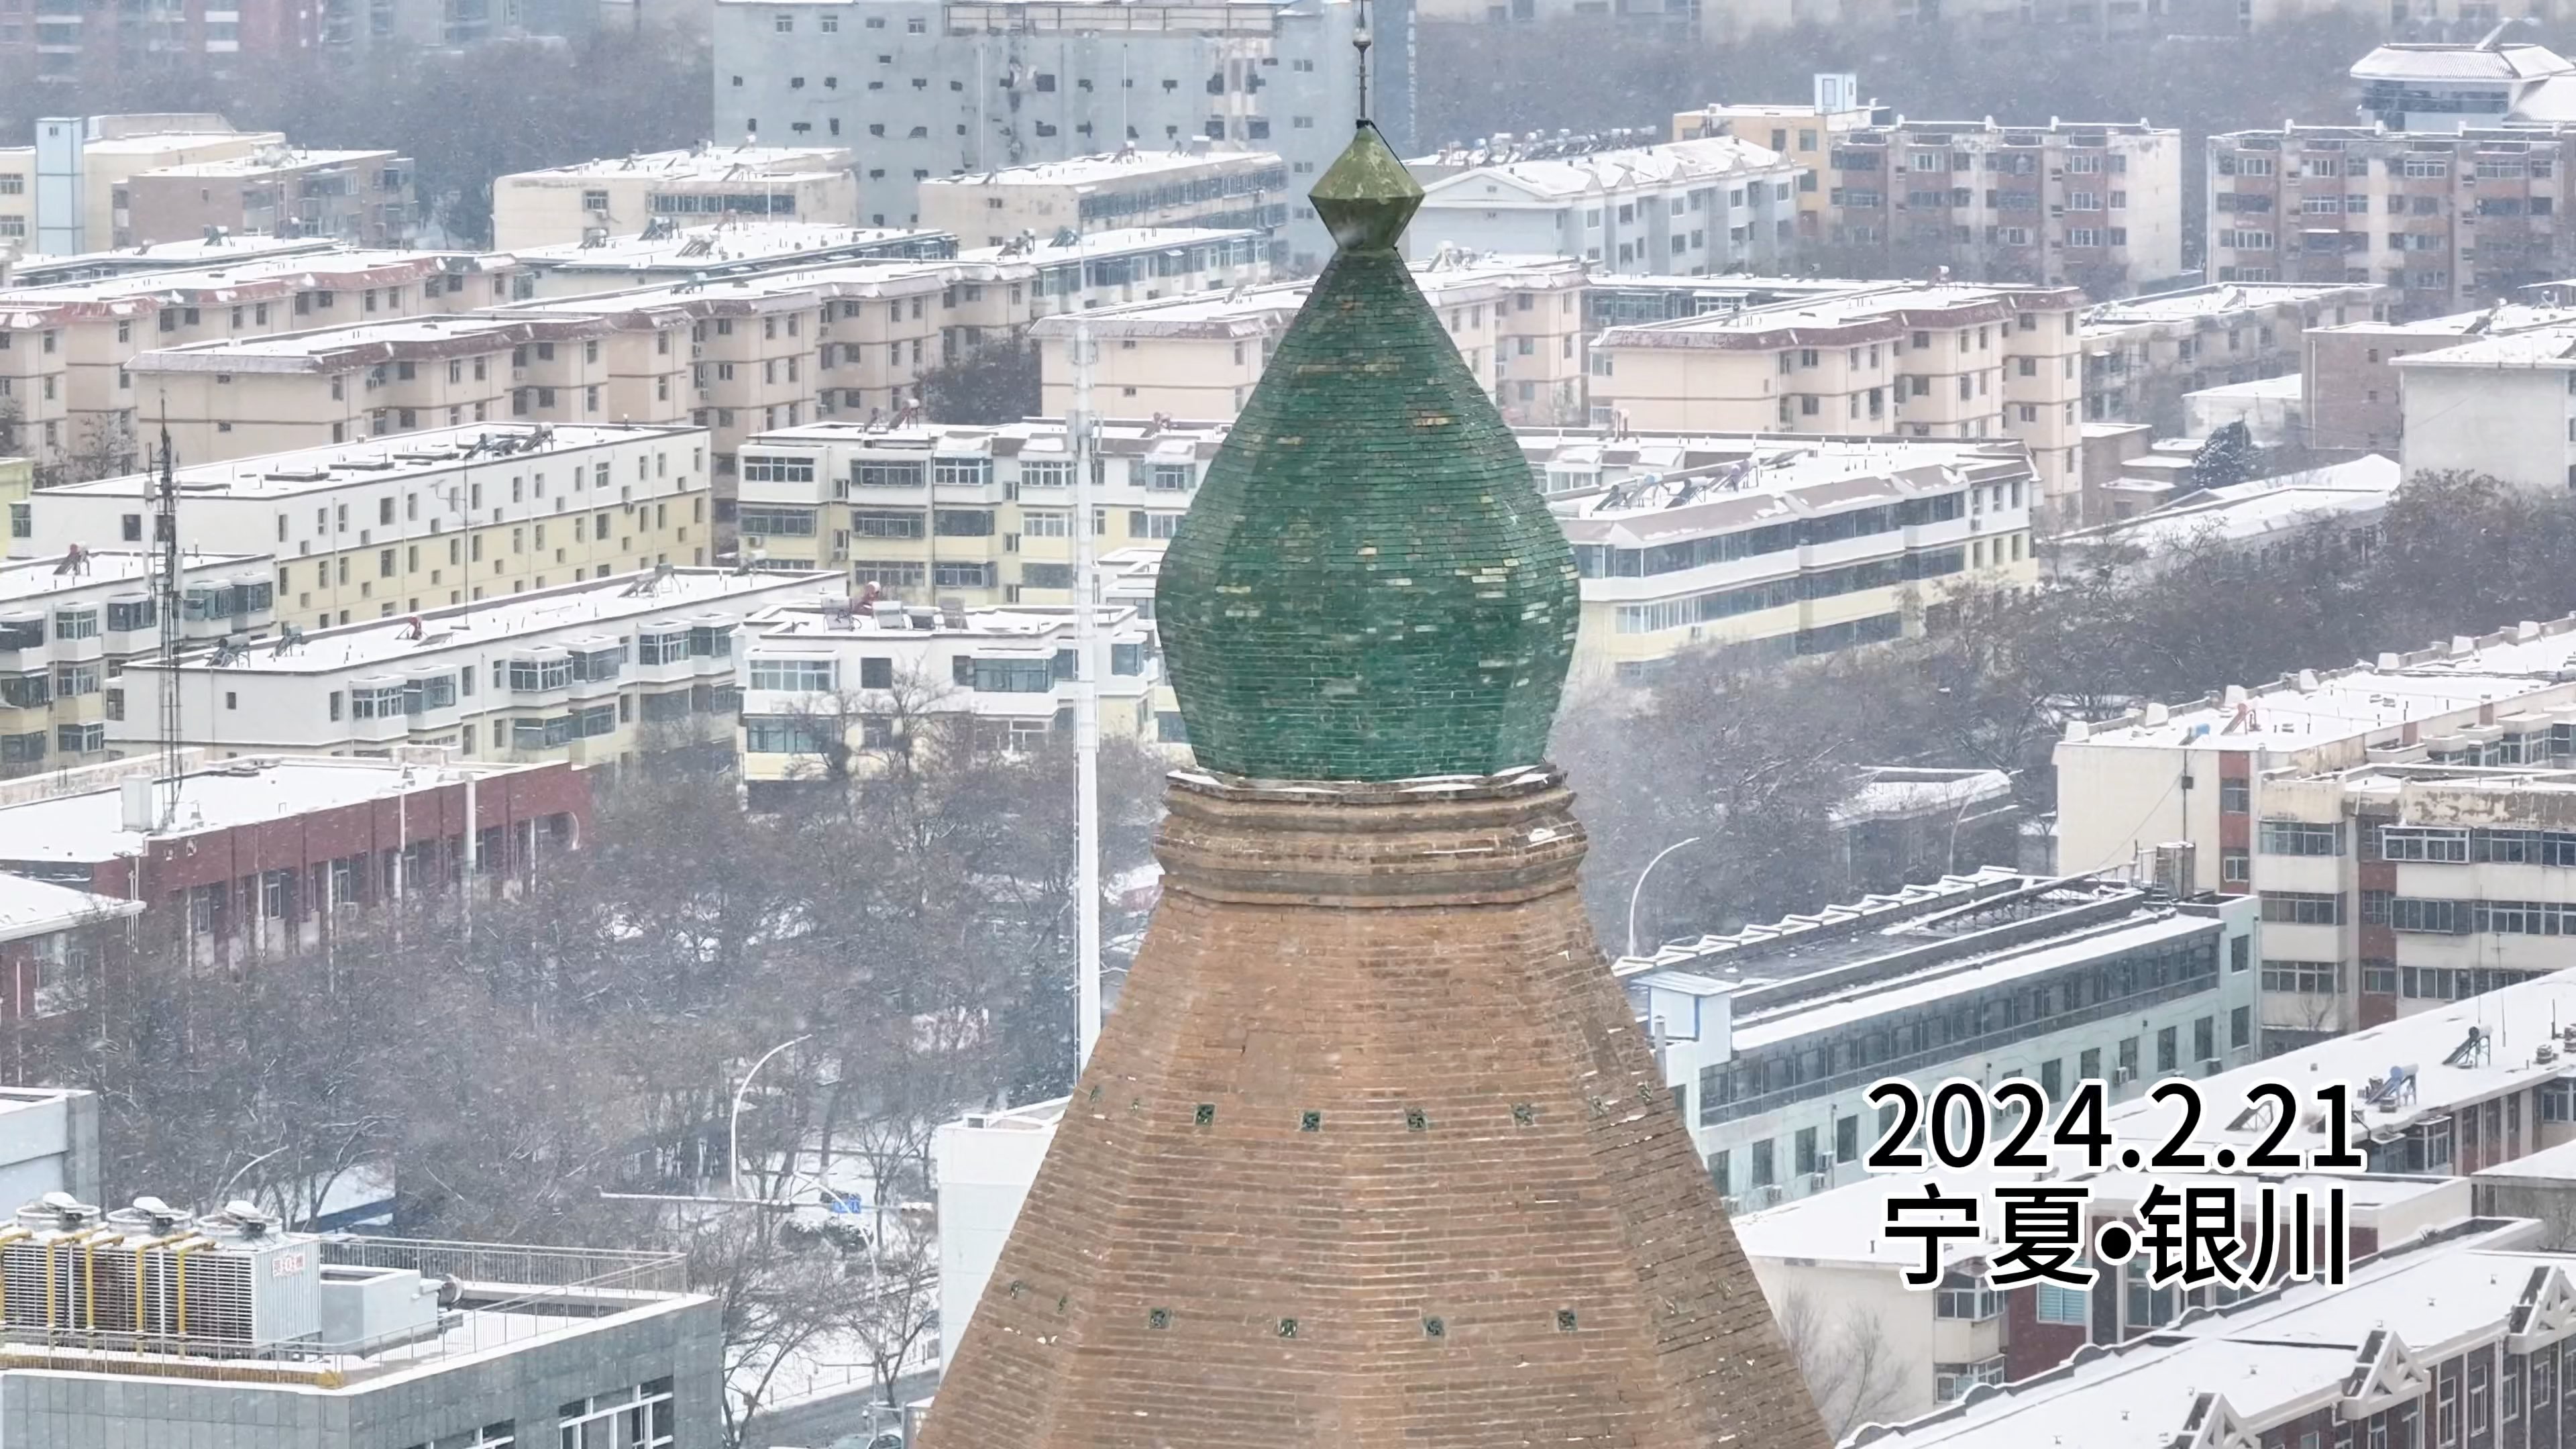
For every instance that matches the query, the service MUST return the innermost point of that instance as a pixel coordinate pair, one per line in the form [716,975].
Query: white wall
[984,1175]
[2512,423]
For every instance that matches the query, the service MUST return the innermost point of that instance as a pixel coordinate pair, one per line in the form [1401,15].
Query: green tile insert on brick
[1206,1113]
[1310,1122]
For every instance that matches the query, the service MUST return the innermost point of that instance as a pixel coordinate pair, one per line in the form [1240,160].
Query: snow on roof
[2258,506]
[2552,345]
[27,580]
[606,605]
[1594,173]
[35,908]
[266,160]
[88,827]
[422,454]
[715,244]
[2460,63]
[2366,700]
[714,164]
[1135,162]
[2191,304]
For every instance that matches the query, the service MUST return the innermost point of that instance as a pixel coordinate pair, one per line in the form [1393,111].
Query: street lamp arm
[1639,888]
[733,1123]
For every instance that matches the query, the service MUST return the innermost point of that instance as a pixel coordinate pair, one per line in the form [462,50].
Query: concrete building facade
[2193,786]
[949,88]
[361,197]
[70,626]
[2497,405]
[1899,359]
[2142,354]
[1190,185]
[620,196]
[1683,207]
[448,518]
[2445,220]
[1773,1035]
[594,673]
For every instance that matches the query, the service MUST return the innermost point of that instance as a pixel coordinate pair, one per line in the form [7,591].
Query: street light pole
[733,1125]
[1639,888]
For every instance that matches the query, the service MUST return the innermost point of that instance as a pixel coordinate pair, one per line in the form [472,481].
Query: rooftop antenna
[165,598]
[1078,427]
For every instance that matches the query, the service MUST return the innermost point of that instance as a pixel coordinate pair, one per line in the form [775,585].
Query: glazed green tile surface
[1368,586]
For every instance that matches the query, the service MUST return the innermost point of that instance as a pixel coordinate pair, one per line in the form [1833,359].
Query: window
[639,1418]
[2298,837]
[1951,1381]
[2303,978]
[2302,908]
[1968,1299]
[2235,795]
[2057,1304]
[2240,1028]
[796,676]
[2407,842]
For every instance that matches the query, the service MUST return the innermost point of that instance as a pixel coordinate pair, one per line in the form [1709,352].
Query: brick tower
[1372,1154]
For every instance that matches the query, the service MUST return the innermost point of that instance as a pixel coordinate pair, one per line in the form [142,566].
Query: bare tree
[1853,1373]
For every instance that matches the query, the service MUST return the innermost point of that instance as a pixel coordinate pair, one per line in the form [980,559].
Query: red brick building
[267,851]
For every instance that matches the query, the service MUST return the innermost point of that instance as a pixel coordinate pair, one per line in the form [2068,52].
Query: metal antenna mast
[1086,694]
[165,600]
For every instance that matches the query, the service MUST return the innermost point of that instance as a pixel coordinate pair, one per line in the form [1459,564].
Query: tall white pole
[1086,695]
[1639,888]
[733,1122]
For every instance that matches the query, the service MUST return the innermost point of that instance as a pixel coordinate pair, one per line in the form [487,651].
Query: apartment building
[621,196]
[2493,404]
[2349,386]
[2446,219]
[2142,354]
[761,351]
[589,673]
[835,687]
[665,254]
[2197,781]
[1770,1035]
[2452,1338]
[1683,207]
[2350,498]
[66,194]
[1518,322]
[71,626]
[1805,136]
[74,343]
[979,514]
[2438,86]
[1184,185]
[1918,360]
[451,516]
[964,87]
[362,197]
[163,261]
[1775,548]
[2439,1096]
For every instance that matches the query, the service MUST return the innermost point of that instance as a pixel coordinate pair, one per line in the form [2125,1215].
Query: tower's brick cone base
[1372,1155]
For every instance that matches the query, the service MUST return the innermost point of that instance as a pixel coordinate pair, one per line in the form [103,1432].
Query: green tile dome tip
[1366,196]
[1368,586]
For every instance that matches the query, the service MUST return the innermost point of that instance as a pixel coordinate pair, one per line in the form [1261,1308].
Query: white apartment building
[1518,323]
[924,89]
[1898,359]
[1190,185]
[833,686]
[447,517]
[2500,405]
[2271,792]
[2436,1096]
[587,672]
[1772,547]
[1771,1036]
[70,626]
[1682,207]
[620,196]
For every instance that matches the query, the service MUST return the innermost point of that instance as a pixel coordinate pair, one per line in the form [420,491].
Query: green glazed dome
[1368,586]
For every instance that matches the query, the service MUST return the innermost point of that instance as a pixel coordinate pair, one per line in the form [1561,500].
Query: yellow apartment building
[1901,359]
[447,516]
[620,196]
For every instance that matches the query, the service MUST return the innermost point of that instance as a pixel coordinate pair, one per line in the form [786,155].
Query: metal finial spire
[1360,42]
